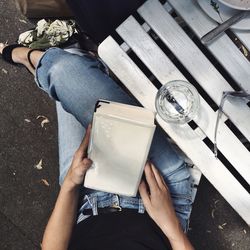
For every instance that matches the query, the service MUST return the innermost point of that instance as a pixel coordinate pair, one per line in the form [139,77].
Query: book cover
[120,140]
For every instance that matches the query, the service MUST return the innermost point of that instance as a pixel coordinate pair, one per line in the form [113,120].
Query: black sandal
[7,54]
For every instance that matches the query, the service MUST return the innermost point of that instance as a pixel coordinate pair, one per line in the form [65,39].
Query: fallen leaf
[41,116]
[220,227]
[4,71]
[245,51]
[44,121]
[212,213]
[39,165]
[216,202]
[245,232]
[45,182]
[22,21]
[224,224]
[27,120]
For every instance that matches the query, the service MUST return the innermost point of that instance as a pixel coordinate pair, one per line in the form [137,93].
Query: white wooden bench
[193,140]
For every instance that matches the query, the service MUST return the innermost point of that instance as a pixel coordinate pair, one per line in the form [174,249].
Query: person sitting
[86,219]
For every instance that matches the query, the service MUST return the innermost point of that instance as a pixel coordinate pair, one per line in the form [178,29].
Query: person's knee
[62,66]
[71,66]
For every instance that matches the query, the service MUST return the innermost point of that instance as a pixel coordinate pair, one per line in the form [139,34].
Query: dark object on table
[214,33]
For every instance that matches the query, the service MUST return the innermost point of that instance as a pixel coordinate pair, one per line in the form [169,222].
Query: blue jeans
[76,82]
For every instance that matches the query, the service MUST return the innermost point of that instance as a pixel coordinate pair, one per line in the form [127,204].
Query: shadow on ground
[26,202]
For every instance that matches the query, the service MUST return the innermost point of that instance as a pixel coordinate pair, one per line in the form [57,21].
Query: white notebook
[120,140]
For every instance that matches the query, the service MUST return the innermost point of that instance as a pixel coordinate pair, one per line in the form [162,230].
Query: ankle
[19,55]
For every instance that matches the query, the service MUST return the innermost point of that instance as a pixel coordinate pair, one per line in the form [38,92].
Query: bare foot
[2,45]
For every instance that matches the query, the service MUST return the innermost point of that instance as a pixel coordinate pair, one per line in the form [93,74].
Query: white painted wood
[195,178]
[138,84]
[223,48]
[146,27]
[200,133]
[214,171]
[127,71]
[164,70]
[195,62]
[196,175]
[125,47]
[168,7]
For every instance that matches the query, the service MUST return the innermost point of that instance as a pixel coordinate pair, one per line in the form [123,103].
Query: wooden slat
[127,72]
[195,172]
[164,70]
[138,84]
[223,48]
[195,62]
[216,173]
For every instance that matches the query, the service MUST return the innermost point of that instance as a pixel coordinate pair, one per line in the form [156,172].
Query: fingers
[82,168]
[82,150]
[144,193]
[158,176]
[150,177]
[86,164]
[76,173]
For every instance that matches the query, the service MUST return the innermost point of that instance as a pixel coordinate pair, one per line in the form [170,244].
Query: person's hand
[80,164]
[157,201]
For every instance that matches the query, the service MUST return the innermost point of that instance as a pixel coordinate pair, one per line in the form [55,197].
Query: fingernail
[87,161]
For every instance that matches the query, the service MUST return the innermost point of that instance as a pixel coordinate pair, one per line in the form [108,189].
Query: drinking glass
[177,102]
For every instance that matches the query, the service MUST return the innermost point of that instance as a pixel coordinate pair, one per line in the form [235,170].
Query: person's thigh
[70,135]
[175,173]
[77,82]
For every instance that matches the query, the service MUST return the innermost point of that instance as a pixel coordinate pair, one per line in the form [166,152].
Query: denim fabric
[76,82]
[97,200]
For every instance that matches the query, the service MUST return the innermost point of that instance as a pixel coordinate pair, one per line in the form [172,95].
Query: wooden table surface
[153,38]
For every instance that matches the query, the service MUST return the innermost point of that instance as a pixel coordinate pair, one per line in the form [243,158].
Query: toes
[2,45]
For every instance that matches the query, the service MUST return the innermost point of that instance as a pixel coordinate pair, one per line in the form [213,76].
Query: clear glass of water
[177,102]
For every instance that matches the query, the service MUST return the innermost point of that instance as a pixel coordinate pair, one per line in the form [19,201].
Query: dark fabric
[43,8]
[7,52]
[99,18]
[107,210]
[118,231]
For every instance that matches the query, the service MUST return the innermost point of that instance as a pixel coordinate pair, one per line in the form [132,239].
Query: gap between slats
[173,36]
[201,121]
